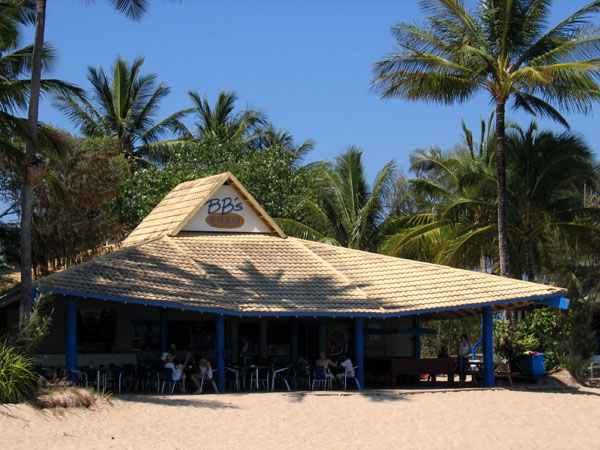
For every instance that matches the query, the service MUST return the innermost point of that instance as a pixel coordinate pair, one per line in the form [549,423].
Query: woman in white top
[348,368]
[177,371]
[464,350]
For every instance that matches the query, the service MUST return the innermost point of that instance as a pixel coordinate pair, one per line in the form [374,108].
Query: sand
[411,419]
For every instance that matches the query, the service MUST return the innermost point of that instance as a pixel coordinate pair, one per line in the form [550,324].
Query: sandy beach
[411,419]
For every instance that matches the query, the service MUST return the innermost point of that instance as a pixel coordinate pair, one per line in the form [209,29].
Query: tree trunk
[529,259]
[483,265]
[503,248]
[27,191]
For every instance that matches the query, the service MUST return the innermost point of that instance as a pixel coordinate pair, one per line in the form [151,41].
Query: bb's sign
[221,215]
[227,211]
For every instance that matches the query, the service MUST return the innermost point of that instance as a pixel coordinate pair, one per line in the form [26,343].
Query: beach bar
[208,267]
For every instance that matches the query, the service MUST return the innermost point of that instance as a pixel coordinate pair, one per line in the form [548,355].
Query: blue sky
[306,64]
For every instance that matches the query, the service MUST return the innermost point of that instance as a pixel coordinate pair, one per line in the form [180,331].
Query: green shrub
[17,382]
[577,348]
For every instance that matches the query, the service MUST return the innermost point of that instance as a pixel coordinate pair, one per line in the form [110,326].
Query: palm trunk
[501,186]
[27,191]
[529,259]
[503,249]
[483,266]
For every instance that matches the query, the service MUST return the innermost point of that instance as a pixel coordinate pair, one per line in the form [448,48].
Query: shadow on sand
[372,395]
[195,401]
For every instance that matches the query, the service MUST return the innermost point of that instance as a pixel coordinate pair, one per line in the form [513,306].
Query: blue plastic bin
[532,365]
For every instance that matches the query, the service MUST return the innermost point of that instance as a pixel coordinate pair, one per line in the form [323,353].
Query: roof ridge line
[202,272]
[425,263]
[220,180]
[338,273]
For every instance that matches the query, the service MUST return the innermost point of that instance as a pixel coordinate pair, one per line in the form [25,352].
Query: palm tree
[344,210]
[124,105]
[269,136]
[131,8]
[548,175]
[457,224]
[505,49]
[15,64]
[221,123]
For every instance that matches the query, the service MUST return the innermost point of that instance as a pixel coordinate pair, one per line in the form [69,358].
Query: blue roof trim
[546,299]
[560,303]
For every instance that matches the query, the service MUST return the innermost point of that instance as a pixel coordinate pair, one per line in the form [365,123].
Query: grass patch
[67,397]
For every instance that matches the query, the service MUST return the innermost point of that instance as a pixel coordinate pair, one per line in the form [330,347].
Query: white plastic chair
[79,378]
[274,377]
[209,380]
[258,376]
[236,377]
[595,365]
[352,374]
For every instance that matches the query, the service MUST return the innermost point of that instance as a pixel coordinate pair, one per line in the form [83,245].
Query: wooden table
[419,366]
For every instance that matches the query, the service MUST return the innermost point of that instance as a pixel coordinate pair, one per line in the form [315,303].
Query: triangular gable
[227,211]
[180,209]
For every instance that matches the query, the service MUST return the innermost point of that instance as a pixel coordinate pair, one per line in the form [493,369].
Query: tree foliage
[506,49]
[342,209]
[272,174]
[124,105]
[72,191]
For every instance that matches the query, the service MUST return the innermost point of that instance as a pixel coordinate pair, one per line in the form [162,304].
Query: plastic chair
[301,376]
[321,376]
[258,376]
[232,375]
[125,376]
[78,377]
[348,374]
[280,375]
[211,380]
[167,376]
[147,377]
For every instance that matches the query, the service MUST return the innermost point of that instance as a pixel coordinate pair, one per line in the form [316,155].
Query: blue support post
[488,347]
[359,359]
[221,352]
[294,340]
[416,337]
[164,330]
[71,334]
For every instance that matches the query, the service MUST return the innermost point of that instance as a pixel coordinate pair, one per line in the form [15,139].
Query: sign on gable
[226,211]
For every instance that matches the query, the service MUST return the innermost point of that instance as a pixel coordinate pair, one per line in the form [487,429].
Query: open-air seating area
[281,377]
[145,378]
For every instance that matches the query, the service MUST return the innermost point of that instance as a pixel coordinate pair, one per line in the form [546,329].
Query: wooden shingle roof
[269,274]
[263,274]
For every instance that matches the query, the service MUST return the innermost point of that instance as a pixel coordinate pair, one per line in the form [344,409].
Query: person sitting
[328,364]
[177,370]
[348,367]
[443,353]
[205,372]
[191,366]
